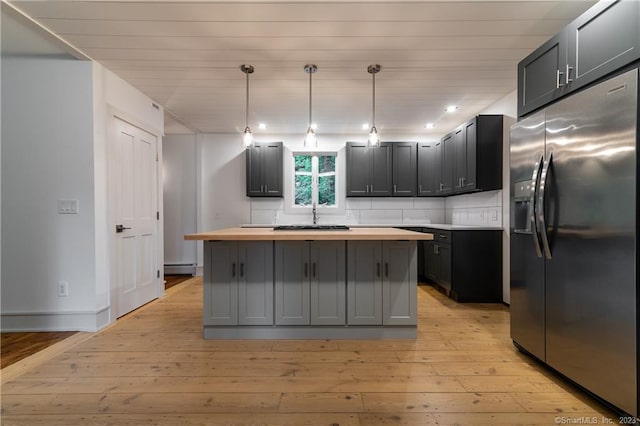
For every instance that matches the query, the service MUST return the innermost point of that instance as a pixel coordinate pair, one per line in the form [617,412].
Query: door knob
[120,228]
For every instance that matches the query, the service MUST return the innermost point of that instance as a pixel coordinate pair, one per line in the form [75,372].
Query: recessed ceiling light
[314,126]
[429,125]
[365,126]
[262,126]
[451,108]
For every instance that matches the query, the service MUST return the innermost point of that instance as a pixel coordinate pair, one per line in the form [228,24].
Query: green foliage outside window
[321,181]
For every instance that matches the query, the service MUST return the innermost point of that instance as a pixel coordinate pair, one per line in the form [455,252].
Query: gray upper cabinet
[603,39]
[540,75]
[264,169]
[239,283]
[428,168]
[600,41]
[447,163]
[310,282]
[478,154]
[404,169]
[369,170]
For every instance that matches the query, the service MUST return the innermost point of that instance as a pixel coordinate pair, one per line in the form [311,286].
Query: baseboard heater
[179,268]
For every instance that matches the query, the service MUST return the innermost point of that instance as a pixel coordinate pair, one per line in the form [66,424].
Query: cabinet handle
[462,179]
[435,249]
[443,236]
[233,270]
[441,186]
[306,270]
[371,187]
[559,75]
[241,269]
[568,78]
[378,269]
[367,188]
[313,269]
[395,189]
[266,188]
[386,269]
[420,188]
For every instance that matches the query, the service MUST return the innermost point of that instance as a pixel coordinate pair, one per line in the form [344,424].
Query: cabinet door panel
[357,170]
[364,283]
[459,159]
[444,258]
[432,262]
[380,171]
[328,281]
[426,169]
[447,163]
[221,283]
[469,136]
[255,283]
[538,78]
[603,39]
[292,271]
[399,284]
[272,169]
[253,156]
[404,169]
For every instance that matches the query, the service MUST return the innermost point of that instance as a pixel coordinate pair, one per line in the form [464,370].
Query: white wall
[508,106]
[55,127]
[180,172]
[47,155]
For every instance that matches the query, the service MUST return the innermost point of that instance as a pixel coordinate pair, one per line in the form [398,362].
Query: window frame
[289,200]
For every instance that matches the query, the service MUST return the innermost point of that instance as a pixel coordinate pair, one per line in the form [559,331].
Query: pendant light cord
[246,115]
[373,120]
[310,74]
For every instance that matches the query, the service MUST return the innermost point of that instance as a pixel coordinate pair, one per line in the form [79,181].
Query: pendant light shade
[310,139]
[374,137]
[247,137]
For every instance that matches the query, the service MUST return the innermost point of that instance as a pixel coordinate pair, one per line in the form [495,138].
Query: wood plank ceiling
[186,56]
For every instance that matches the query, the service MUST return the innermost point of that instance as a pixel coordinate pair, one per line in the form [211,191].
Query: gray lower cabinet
[238,283]
[381,285]
[400,278]
[364,283]
[310,283]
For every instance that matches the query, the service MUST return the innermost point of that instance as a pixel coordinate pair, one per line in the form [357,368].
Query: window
[315,179]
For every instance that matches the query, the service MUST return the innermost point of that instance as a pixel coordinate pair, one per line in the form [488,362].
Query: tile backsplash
[483,208]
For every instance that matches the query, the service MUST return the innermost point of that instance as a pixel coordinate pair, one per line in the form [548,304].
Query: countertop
[268,234]
[444,227]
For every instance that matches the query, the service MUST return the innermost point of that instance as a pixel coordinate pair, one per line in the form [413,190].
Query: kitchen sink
[311,227]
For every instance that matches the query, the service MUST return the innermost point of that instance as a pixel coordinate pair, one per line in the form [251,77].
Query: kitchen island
[260,283]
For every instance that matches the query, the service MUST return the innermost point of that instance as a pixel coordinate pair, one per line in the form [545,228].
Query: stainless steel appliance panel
[527,141]
[588,194]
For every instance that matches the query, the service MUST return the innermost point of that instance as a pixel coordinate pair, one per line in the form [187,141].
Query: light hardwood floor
[154,368]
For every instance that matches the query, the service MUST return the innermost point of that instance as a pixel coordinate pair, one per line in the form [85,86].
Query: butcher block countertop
[268,234]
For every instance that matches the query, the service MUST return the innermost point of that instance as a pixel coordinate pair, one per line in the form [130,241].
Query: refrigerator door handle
[535,179]
[540,206]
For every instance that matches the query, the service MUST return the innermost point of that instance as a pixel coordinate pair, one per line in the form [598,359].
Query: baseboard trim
[56,321]
[180,269]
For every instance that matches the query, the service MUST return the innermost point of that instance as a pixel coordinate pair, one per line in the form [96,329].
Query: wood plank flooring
[17,346]
[154,368]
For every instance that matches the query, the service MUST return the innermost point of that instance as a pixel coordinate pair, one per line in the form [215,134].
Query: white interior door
[135,206]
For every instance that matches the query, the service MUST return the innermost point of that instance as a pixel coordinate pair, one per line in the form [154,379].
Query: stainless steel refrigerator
[573,238]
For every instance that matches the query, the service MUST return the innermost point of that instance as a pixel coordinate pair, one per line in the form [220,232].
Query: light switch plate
[67,206]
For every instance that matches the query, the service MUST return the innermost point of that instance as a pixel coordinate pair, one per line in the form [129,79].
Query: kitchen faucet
[314,211]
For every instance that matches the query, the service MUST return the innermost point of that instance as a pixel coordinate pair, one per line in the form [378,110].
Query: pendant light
[310,139]
[247,137]
[374,138]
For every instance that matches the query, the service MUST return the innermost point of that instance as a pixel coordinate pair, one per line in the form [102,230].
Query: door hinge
[158,215]
[158,273]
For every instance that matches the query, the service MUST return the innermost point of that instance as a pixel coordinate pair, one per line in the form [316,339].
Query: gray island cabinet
[265,284]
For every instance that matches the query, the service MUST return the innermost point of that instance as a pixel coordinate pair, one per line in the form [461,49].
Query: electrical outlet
[63,289]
